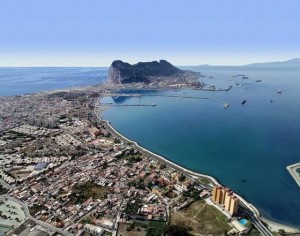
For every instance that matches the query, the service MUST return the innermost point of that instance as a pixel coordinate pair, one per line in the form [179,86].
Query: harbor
[115,96]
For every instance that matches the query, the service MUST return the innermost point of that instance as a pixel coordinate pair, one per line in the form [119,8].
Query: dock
[293,171]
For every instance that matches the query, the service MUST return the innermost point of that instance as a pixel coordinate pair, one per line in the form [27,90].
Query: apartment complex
[225,197]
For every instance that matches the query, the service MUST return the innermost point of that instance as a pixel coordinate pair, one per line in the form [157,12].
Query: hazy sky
[187,32]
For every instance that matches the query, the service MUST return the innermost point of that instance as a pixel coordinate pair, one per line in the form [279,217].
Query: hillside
[122,73]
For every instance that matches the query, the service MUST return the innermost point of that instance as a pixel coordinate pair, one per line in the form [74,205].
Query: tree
[181,177]
[177,230]
[281,232]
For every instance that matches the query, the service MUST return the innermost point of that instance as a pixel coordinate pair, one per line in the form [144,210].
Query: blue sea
[22,80]
[246,147]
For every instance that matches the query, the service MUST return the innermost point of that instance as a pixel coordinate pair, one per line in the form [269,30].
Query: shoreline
[271,224]
[274,226]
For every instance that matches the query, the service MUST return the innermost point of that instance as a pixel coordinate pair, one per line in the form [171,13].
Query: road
[253,218]
[39,222]
[6,185]
[256,222]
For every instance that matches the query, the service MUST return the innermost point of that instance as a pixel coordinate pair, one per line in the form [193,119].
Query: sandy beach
[274,226]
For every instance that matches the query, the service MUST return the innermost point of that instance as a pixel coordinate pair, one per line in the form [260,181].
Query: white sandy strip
[274,226]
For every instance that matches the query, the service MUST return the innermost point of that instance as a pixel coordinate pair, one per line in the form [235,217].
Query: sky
[184,32]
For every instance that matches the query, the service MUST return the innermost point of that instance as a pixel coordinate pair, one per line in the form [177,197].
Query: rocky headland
[156,72]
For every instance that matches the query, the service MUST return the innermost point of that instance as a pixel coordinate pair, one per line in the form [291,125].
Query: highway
[256,222]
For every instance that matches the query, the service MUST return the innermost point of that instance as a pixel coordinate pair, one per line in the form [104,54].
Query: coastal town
[65,171]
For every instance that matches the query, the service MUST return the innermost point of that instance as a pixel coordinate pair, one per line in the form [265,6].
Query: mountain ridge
[290,62]
[294,62]
[122,72]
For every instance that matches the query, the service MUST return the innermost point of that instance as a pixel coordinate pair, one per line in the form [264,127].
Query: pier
[127,105]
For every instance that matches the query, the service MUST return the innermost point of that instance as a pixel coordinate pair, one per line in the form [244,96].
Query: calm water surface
[247,147]
[21,80]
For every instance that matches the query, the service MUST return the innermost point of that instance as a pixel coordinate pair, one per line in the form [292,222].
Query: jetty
[213,88]
[294,170]
[124,94]
[127,105]
[225,104]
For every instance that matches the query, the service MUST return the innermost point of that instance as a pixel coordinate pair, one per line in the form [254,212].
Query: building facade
[226,198]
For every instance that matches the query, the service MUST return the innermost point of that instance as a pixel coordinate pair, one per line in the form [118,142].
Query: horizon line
[95,66]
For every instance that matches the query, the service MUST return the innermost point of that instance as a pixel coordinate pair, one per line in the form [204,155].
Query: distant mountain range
[289,63]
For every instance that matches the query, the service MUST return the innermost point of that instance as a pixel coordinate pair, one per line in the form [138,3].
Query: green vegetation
[254,232]
[87,220]
[154,228]
[2,190]
[181,177]
[177,230]
[211,214]
[195,194]
[134,159]
[107,233]
[36,208]
[133,206]
[205,180]
[249,224]
[202,218]
[82,192]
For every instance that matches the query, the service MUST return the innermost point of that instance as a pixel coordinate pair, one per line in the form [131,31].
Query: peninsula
[155,73]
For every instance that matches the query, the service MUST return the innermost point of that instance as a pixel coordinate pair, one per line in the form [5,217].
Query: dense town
[70,174]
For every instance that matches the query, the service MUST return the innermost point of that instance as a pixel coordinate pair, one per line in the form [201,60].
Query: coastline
[271,224]
[274,226]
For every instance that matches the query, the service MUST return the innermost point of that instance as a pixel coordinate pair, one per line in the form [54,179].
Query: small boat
[279,91]
[240,75]
[243,102]
[226,105]
[153,104]
[259,80]
[245,77]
